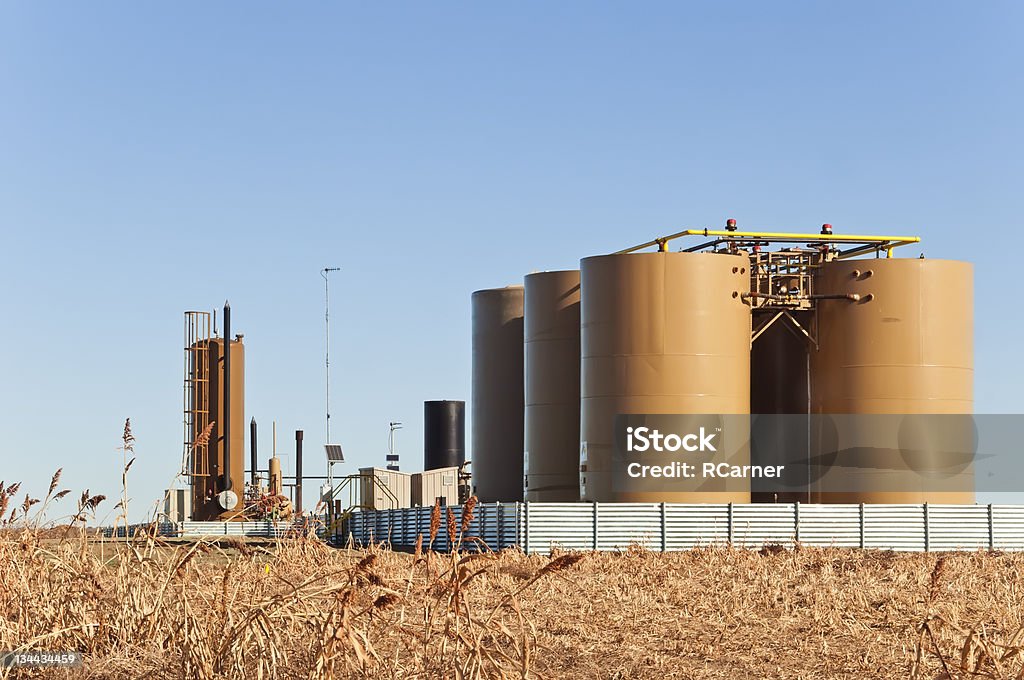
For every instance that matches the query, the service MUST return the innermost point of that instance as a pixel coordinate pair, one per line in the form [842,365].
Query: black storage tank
[444,434]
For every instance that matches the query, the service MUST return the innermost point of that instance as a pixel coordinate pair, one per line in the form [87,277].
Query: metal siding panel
[830,525]
[621,525]
[1008,527]
[693,525]
[894,527]
[753,526]
[564,525]
[957,527]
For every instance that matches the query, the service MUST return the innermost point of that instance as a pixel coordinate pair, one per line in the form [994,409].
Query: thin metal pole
[225,427]
[327,354]
[253,460]
[298,471]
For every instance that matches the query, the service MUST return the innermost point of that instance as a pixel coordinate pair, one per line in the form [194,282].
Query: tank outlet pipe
[252,450]
[226,425]
[853,297]
[771,296]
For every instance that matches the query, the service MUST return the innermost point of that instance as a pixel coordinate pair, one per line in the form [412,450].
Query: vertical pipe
[252,450]
[298,472]
[225,426]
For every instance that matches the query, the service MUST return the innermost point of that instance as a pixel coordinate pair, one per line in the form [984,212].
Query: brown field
[300,609]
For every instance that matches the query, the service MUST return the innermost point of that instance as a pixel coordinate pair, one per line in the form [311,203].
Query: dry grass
[303,610]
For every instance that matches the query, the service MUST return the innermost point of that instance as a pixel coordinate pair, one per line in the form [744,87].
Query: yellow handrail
[886,242]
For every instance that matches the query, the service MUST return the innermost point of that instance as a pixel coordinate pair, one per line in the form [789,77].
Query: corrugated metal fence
[264,529]
[539,527]
[494,526]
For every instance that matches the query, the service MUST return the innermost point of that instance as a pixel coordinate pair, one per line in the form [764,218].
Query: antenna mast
[327,354]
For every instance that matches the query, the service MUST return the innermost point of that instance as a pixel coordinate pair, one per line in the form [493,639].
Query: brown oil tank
[905,347]
[552,387]
[779,384]
[661,333]
[497,384]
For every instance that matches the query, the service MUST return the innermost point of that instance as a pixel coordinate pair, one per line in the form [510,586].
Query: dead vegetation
[303,610]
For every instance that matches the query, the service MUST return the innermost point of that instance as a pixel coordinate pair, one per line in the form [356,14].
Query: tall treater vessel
[214,418]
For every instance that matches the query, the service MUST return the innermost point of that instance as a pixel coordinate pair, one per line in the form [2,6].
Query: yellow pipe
[804,237]
[890,241]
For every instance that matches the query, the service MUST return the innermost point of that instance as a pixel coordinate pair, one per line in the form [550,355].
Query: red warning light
[826,229]
[730,225]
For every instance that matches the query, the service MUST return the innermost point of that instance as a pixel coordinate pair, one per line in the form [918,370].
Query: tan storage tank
[906,347]
[662,333]
[497,434]
[552,388]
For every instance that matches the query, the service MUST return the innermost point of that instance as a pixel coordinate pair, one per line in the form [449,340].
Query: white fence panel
[830,525]
[894,527]
[957,527]
[1008,527]
[692,525]
[621,525]
[755,525]
[569,526]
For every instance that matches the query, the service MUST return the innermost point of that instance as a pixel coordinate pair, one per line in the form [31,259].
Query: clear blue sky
[161,158]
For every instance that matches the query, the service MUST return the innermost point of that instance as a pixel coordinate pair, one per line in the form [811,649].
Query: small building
[430,485]
[177,505]
[382,489]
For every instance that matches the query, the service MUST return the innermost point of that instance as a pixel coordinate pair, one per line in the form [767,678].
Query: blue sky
[161,158]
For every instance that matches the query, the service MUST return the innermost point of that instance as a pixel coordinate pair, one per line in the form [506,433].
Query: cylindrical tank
[552,387]
[779,385]
[497,436]
[209,391]
[905,347]
[444,434]
[662,333]
[276,486]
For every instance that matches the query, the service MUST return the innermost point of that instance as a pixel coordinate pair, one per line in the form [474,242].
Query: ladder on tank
[195,459]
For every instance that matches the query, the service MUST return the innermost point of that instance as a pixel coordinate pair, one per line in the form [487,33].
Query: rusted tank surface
[497,401]
[552,387]
[661,333]
[207,489]
[905,347]
[779,384]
